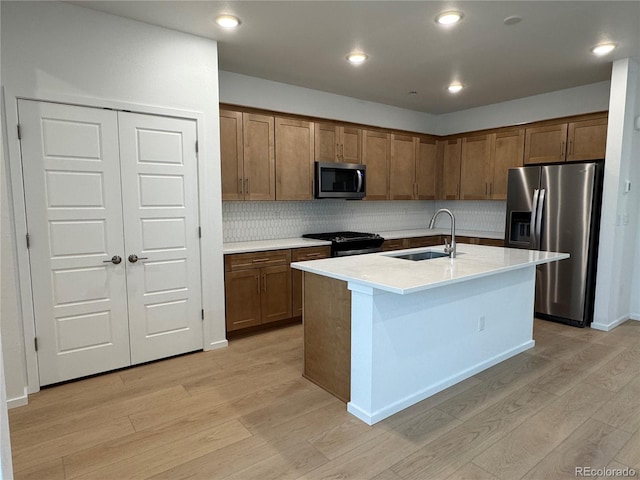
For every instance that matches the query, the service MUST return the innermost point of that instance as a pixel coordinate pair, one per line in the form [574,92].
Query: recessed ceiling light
[413,93]
[603,49]
[449,18]
[455,87]
[227,21]
[357,58]
[512,20]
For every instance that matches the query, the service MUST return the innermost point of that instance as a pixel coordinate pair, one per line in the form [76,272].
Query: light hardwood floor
[245,412]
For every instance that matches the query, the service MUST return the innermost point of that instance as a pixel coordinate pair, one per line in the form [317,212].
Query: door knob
[115,259]
[133,258]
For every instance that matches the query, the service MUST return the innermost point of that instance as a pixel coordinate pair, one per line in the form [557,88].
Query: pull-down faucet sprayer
[448,248]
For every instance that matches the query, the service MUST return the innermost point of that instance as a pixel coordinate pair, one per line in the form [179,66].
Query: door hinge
[19,132]
[202,314]
[196,146]
[199,232]
[28,241]
[35,343]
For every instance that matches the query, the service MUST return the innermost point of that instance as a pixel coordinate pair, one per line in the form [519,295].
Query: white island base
[407,348]
[416,328]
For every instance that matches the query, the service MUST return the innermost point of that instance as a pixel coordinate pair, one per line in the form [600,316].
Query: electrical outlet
[481,324]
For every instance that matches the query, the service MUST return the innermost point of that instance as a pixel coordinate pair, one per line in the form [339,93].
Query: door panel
[567,213]
[160,198]
[71,173]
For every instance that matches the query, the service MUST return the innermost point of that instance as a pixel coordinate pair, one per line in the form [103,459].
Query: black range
[350,243]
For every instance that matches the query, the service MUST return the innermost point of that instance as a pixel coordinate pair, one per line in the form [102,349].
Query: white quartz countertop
[395,275]
[298,242]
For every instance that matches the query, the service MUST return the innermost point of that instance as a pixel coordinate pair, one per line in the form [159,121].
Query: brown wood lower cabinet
[302,255]
[489,242]
[257,288]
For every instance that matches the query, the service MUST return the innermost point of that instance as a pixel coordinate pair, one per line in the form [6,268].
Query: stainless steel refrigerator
[557,208]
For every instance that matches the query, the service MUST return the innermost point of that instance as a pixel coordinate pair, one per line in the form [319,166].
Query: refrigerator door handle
[534,217]
[539,219]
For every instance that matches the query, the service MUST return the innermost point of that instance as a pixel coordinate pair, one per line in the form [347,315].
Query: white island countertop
[384,272]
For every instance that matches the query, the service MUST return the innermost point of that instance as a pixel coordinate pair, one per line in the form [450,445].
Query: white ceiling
[305,43]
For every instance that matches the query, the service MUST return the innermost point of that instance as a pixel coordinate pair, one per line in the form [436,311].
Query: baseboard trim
[17,402]
[217,345]
[635,316]
[606,327]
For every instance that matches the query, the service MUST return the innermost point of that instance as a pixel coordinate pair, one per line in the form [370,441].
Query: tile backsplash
[246,221]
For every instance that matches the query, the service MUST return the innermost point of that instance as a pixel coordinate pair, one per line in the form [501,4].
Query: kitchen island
[383,333]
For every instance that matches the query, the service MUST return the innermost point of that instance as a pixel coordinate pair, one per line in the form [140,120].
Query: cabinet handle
[486,189]
[259,260]
[490,189]
[312,255]
[240,186]
[562,149]
[258,284]
[570,147]
[264,282]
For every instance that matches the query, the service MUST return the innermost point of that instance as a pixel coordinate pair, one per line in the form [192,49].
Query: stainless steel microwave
[340,180]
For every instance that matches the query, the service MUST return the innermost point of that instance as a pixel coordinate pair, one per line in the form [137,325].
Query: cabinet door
[326,142]
[231,155]
[426,168]
[402,167]
[242,298]
[294,159]
[475,167]
[587,139]
[350,145]
[259,161]
[545,144]
[507,152]
[450,178]
[276,293]
[375,155]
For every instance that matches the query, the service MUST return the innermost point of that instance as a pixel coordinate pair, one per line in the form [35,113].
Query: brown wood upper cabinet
[485,161]
[257,288]
[507,152]
[231,155]
[475,167]
[426,173]
[337,143]
[402,167]
[247,156]
[450,170]
[294,159]
[375,155]
[579,140]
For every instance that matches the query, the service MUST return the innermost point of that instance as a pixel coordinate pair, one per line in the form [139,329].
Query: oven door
[340,180]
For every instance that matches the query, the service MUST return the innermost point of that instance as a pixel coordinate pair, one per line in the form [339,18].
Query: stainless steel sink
[428,255]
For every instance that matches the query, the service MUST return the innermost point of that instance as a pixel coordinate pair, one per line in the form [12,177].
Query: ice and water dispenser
[520,227]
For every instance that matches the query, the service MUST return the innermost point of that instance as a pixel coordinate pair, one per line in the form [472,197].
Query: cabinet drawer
[430,241]
[244,261]
[395,244]
[310,253]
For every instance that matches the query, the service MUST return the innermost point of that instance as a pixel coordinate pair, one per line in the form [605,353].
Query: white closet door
[72,191]
[160,205]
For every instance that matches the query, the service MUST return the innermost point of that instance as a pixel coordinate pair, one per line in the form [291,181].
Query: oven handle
[345,253]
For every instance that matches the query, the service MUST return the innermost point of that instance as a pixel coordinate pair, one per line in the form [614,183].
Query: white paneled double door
[112,214]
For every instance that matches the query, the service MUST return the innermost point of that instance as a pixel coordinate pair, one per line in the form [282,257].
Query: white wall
[58,51]
[6,469]
[619,223]
[255,92]
[562,103]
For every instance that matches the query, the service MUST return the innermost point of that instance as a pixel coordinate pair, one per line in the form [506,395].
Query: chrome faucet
[448,248]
